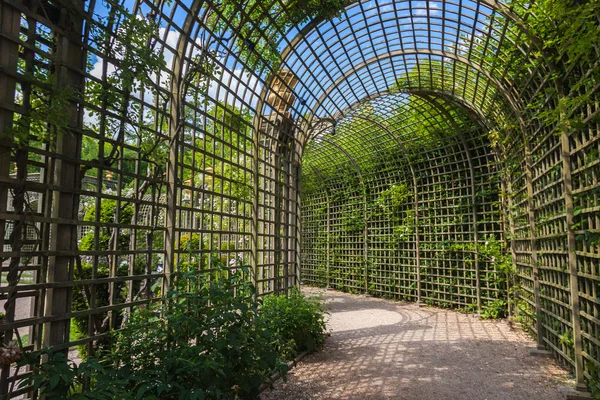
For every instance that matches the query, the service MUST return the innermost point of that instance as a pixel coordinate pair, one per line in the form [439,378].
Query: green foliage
[80,325]
[260,26]
[353,221]
[296,319]
[108,215]
[85,270]
[397,196]
[60,378]
[566,339]
[108,212]
[495,309]
[139,61]
[214,340]
[594,381]
[47,117]
[209,340]
[190,242]
[568,33]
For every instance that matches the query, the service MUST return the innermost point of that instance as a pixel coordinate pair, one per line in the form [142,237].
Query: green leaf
[54,379]
[141,391]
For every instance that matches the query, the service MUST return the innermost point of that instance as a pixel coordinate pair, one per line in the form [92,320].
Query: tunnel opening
[401,198]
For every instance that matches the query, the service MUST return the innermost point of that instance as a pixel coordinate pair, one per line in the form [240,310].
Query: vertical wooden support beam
[417,238]
[572,256]
[290,227]
[10,20]
[65,205]
[474,225]
[171,210]
[507,190]
[277,132]
[287,214]
[114,258]
[298,234]
[366,236]
[255,201]
[476,250]
[534,255]
[175,126]
[290,199]
[280,220]
[328,266]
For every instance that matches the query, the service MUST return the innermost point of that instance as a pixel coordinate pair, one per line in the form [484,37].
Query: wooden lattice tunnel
[441,152]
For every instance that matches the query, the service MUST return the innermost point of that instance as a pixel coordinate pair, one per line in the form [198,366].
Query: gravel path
[381,349]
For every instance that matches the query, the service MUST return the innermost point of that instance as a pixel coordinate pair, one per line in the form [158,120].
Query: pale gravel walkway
[381,349]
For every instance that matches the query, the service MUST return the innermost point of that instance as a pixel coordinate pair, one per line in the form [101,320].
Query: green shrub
[211,342]
[190,242]
[296,318]
[495,309]
[107,212]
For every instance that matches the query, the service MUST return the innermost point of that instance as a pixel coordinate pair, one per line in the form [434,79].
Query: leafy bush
[209,341]
[296,318]
[495,309]
[190,242]
[213,342]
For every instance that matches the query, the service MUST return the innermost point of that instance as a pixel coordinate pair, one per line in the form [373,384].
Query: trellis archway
[393,147]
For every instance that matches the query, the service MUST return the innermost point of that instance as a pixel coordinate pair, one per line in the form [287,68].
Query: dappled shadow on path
[380,349]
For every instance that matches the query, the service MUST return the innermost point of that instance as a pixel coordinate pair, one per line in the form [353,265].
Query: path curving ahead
[381,349]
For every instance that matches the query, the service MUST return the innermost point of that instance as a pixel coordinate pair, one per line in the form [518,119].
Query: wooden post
[474,222]
[298,185]
[172,184]
[175,130]
[278,132]
[476,238]
[534,258]
[10,23]
[507,189]
[417,238]
[366,237]
[328,239]
[65,205]
[572,256]
[255,193]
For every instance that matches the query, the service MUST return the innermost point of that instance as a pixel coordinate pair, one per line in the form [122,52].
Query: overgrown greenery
[299,321]
[214,339]
[262,23]
[568,36]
